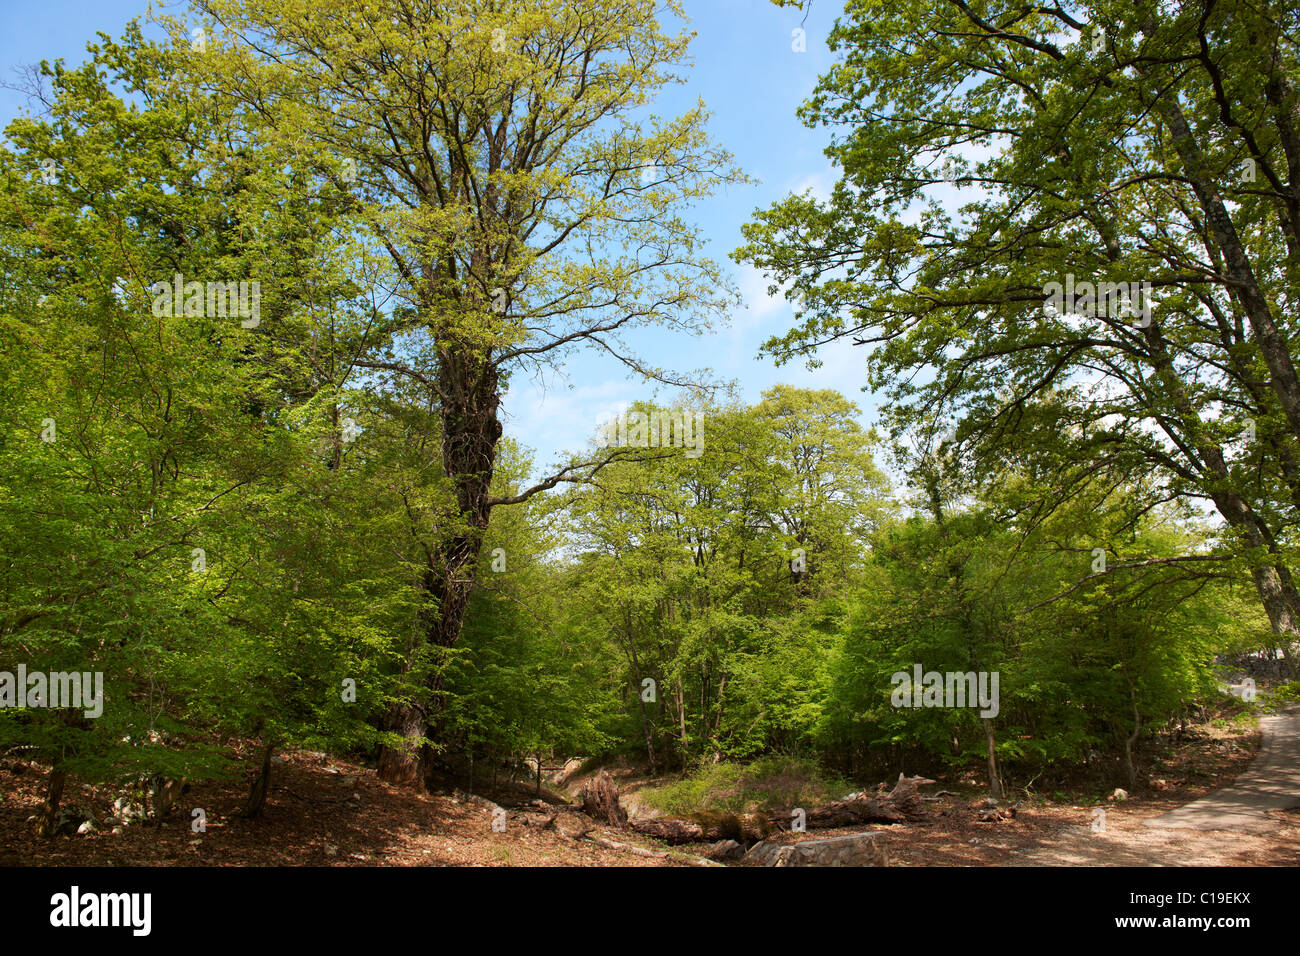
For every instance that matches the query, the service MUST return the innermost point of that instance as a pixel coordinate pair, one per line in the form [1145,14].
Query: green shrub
[770,783]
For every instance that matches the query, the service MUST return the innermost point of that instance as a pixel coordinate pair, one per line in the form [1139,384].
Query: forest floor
[1068,830]
[321,811]
[326,811]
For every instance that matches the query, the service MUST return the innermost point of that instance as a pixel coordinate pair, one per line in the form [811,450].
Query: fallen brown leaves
[311,819]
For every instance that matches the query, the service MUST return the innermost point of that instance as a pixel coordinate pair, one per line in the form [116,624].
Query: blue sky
[752,81]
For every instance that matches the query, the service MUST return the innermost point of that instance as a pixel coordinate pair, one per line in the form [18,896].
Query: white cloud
[821,183]
[753,292]
[558,419]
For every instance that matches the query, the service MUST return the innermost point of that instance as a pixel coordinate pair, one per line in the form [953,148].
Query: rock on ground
[856,849]
[723,850]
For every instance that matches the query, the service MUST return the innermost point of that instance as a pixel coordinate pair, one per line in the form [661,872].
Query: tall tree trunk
[1243,285]
[995,783]
[639,690]
[402,765]
[1273,580]
[645,731]
[1131,740]
[257,793]
[1272,577]
[50,808]
[1285,107]
[58,776]
[717,723]
[681,717]
[470,396]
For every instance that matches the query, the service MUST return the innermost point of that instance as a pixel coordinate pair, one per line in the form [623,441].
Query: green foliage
[989,167]
[175,514]
[763,785]
[713,582]
[295,528]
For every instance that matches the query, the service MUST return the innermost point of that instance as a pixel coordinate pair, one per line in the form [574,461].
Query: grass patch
[770,783]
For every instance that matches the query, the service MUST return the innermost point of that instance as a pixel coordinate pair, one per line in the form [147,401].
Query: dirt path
[1256,810]
[1127,841]
[1246,806]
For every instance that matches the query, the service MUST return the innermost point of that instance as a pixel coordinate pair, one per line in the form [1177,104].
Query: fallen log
[670,831]
[901,804]
[708,827]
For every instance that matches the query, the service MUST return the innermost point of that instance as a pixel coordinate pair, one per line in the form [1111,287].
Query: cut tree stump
[600,800]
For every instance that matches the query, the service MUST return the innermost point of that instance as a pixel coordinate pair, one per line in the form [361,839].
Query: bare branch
[571,474]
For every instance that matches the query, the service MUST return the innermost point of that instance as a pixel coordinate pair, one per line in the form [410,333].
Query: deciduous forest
[273,273]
